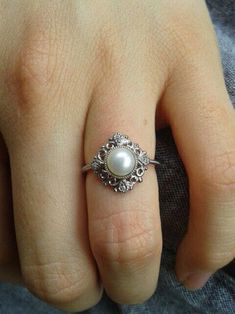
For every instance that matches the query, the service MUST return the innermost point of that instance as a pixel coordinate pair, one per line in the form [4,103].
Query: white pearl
[121,161]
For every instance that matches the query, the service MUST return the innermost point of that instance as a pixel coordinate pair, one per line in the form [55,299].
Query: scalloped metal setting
[125,183]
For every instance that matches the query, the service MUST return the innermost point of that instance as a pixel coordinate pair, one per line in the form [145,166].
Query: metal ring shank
[86,168]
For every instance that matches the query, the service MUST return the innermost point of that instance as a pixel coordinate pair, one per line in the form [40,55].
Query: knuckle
[56,283]
[185,31]
[34,67]
[39,70]
[123,239]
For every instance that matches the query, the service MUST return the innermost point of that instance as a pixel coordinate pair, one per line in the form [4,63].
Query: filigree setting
[120,183]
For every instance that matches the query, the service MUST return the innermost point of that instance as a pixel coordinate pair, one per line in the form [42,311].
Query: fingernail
[196,280]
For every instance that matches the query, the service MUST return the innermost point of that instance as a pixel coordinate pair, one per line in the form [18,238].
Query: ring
[120,163]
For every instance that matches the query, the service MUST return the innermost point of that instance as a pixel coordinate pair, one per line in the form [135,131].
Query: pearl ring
[120,163]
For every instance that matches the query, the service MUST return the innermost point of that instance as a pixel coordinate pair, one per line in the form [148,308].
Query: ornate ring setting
[120,163]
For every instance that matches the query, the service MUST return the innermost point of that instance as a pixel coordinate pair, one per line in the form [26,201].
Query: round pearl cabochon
[121,161]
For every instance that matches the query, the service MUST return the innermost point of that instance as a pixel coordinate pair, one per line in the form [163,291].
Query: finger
[8,248]
[202,118]
[45,148]
[50,218]
[124,228]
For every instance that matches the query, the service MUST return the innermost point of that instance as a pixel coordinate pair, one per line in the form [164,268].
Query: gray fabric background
[218,296]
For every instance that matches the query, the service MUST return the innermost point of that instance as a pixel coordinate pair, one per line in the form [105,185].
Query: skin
[72,74]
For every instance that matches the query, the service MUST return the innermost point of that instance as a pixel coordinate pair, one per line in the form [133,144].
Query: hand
[72,73]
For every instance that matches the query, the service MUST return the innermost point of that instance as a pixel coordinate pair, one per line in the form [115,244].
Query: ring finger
[124,228]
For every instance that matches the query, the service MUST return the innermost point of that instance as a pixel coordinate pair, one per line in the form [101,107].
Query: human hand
[72,73]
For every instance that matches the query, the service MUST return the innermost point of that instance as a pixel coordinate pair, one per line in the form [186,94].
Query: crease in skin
[37,65]
[33,67]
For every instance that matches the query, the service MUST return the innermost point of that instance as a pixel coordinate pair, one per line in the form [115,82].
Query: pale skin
[72,74]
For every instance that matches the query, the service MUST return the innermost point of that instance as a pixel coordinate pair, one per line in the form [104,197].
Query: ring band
[120,163]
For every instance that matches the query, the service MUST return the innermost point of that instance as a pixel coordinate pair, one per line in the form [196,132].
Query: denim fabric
[218,296]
